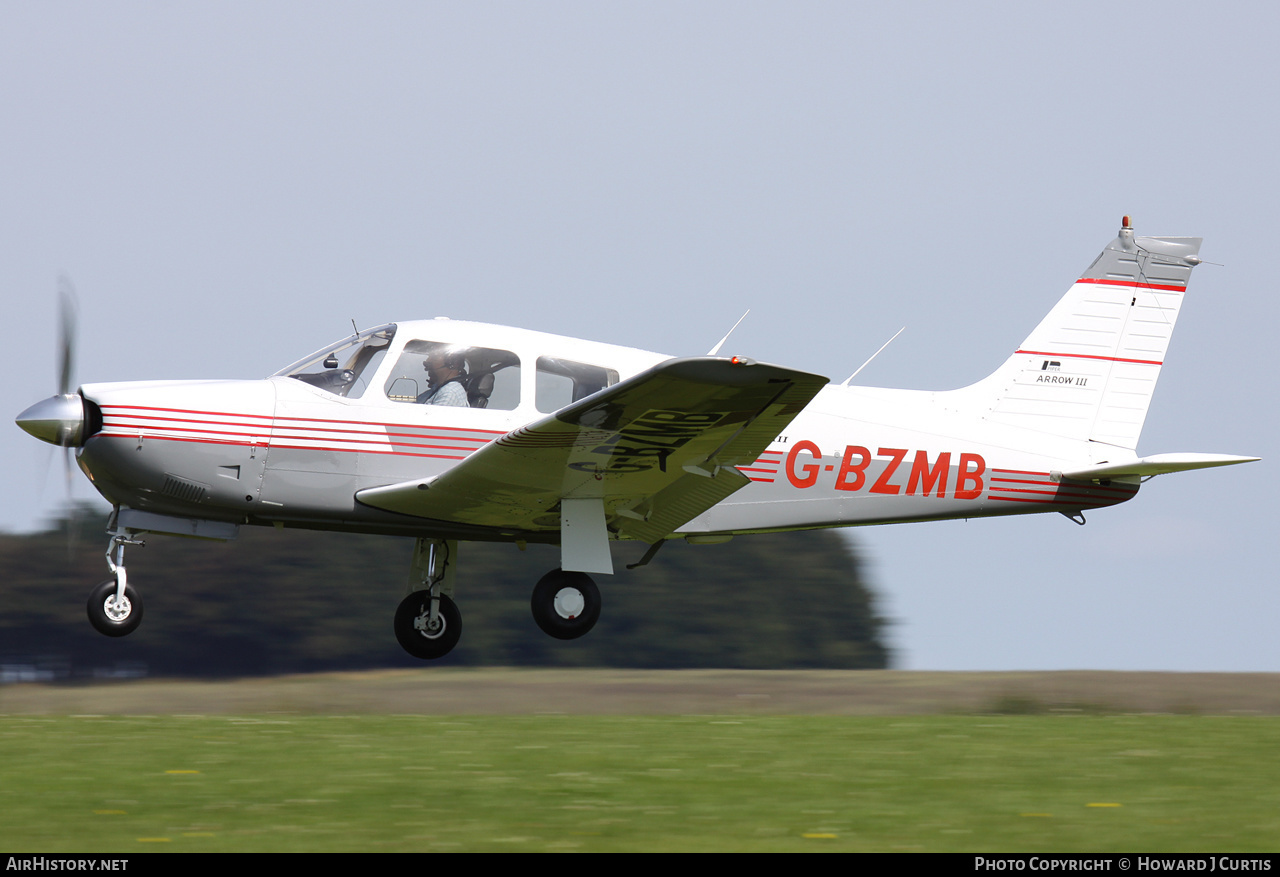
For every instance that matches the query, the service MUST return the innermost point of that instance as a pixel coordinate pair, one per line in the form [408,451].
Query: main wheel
[112,616]
[565,604]
[415,633]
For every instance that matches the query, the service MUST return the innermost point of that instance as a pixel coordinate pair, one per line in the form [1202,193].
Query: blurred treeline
[296,601]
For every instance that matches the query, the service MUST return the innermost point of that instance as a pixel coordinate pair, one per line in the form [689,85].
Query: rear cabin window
[440,373]
[562,382]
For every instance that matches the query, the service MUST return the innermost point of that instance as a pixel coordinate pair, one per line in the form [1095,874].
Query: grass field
[1083,777]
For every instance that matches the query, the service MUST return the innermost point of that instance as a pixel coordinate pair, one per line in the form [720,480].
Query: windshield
[344,368]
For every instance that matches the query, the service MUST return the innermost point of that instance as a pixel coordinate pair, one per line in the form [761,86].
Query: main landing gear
[115,609]
[565,604]
[428,624]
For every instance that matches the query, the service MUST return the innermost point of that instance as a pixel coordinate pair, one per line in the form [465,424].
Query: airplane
[449,431]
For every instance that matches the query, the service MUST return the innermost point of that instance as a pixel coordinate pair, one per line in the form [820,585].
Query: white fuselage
[282,450]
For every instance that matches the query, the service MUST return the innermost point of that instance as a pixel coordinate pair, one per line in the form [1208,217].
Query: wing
[652,452]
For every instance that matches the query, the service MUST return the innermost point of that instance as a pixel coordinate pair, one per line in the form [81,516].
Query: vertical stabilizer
[1088,371]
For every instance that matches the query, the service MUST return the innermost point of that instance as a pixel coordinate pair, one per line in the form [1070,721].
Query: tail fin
[1088,371]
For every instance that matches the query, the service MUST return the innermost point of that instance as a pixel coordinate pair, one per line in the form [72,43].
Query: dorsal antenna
[873,356]
[715,350]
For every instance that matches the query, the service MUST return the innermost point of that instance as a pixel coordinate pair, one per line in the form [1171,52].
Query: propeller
[68,316]
[68,311]
[59,420]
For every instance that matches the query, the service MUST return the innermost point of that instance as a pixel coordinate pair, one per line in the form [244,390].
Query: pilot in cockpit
[446,371]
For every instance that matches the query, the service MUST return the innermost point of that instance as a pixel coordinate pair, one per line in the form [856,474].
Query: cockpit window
[439,373]
[562,381]
[345,368]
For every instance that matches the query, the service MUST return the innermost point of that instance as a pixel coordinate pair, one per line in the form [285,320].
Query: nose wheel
[113,614]
[565,604]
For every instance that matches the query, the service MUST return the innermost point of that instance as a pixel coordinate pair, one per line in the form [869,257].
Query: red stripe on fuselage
[284,432]
[276,445]
[282,419]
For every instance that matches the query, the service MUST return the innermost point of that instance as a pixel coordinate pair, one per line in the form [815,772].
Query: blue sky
[230,184]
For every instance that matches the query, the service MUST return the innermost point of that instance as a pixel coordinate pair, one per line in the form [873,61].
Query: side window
[438,373]
[562,381]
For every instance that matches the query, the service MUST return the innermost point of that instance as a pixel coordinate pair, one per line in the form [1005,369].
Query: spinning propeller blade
[67,313]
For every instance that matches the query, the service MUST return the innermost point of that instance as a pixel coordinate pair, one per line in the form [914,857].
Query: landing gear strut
[565,604]
[115,609]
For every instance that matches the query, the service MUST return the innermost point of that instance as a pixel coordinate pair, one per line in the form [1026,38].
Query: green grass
[669,783]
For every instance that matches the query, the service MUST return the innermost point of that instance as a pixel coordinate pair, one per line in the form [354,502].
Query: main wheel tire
[113,617]
[565,604]
[423,643]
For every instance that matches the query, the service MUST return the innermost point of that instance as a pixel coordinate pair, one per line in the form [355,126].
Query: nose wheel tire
[111,615]
[415,631]
[565,604]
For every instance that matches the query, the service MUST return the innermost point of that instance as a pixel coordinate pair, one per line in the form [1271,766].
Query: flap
[659,448]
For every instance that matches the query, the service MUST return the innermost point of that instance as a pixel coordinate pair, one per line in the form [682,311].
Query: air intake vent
[92,418]
[181,488]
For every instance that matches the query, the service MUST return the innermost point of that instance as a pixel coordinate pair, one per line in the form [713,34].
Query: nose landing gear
[115,609]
